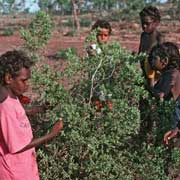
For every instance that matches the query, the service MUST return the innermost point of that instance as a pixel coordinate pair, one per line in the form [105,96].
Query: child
[150,19]
[17,153]
[175,90]
[164,58]
[103,32]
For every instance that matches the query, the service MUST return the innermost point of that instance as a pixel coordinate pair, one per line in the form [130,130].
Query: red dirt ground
[127,34]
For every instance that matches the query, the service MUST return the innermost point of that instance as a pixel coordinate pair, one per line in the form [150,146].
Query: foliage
[8,32]
[102,142]
[63,52]
[85,22]
[38,32]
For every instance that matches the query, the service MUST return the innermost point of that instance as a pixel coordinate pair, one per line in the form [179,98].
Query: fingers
[59,123]
[170,134]
[167,137]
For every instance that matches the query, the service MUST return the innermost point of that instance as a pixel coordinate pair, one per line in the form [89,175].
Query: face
[158,63]
[103,35]
[149,24]
[19,84]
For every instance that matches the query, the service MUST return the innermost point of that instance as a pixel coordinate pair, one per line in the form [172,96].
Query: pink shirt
[16,133]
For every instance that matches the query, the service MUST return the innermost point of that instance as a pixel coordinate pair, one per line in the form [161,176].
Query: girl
[17,153]
[166,59]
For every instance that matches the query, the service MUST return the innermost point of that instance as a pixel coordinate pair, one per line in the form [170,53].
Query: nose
[26,85]
[103,37]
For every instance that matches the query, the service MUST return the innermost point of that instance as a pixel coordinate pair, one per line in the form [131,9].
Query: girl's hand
[57,127]
[170,134]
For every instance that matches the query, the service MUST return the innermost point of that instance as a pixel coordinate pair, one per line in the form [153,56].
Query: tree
[75,14]
[6,5]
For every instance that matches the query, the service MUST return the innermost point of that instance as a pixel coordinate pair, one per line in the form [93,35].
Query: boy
[17,153]
[103,32]
[150,19]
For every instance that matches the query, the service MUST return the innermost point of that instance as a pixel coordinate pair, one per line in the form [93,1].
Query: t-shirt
[164,84]
[16,133]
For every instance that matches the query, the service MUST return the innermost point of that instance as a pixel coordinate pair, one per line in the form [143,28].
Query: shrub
[8,31]
[63,52]
[102,142]
[38,32]
[85,22]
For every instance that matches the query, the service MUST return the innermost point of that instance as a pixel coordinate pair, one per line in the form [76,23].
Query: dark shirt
[148,40]
[163,85]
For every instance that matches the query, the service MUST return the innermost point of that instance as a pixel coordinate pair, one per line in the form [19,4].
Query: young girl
[17,153]
[103,32]
[166,58]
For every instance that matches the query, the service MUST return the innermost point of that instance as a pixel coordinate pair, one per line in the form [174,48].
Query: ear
[8,78]
[166,60]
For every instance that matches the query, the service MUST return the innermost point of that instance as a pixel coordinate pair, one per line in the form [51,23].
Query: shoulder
[3,94]
[160,37]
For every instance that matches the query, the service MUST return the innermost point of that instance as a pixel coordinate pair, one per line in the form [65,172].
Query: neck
[10,92]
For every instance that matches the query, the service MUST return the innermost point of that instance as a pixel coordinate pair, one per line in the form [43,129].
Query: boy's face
[102,35]
[158,63]
[19,84]
[149,24]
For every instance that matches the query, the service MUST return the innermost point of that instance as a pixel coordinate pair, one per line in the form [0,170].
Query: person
[175,90]
[165,58]
[104,30]
[150,19]
[17,153]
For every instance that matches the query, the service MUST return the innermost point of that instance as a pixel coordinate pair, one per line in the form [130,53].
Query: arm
[35,142]
[140,44]
[33,110]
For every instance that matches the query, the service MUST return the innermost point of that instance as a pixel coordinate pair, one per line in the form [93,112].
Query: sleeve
[16,132]
[140,44]
[149,72]
[176,118]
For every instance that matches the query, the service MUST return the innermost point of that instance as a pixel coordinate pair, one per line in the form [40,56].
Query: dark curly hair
[151,11]
[102,24]
[166,50]
[11,62]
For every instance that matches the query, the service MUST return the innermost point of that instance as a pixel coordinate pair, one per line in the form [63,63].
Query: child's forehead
[147,18]
[103,30]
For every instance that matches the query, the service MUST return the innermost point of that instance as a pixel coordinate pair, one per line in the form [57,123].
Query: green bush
[8,31]
[102,143]
[63,52]
[85,22]
[38,32]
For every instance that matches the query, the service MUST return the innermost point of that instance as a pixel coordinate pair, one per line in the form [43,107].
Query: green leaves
[38,32]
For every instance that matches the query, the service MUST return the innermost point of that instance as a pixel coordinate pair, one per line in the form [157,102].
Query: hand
[170,134]
[57,127]
[161,96]
[91,50]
